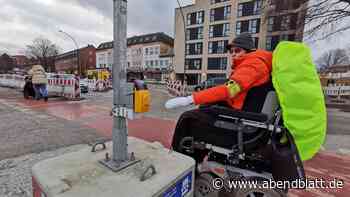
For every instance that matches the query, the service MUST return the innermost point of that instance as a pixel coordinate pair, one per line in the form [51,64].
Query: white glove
[179,102]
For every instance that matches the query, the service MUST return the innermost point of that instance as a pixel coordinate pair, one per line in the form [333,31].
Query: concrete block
[79,174]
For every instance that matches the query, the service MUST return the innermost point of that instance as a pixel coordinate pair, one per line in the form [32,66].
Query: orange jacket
[250,70]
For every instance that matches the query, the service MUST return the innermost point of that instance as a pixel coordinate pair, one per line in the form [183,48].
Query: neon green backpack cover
[300,94]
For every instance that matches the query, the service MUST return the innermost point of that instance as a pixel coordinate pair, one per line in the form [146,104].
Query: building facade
[336,75]
[145,52]
[68,62]
[200,43]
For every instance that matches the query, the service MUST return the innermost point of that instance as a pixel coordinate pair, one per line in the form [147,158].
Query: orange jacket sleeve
[211,95]
[246,74]
[249,72]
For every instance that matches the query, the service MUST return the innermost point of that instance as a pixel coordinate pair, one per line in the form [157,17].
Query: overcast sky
[90,22]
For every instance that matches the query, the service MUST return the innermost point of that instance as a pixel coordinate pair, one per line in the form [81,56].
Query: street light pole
[77,46]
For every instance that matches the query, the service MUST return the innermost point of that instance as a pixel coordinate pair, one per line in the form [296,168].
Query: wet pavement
[92,115]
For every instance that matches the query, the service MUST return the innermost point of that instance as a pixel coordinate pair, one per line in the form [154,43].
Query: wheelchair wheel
[257,190]
[204,186]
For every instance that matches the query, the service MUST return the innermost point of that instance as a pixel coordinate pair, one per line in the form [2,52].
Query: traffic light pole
[120,157]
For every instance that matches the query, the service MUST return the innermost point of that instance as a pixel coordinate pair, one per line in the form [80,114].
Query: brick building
[20,60]
[68,62]
[6,63]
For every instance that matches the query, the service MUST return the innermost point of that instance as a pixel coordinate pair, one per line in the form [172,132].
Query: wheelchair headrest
[270,105]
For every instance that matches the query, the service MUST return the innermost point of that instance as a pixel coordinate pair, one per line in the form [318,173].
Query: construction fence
[63,85]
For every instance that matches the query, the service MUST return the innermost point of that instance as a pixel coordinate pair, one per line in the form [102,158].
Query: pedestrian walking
[39,80]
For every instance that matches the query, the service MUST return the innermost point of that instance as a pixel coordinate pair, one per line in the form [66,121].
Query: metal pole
[120,151]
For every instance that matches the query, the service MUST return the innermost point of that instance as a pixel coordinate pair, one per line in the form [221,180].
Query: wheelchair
[239,145]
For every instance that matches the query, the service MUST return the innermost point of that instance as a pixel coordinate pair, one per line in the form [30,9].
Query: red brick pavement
[325,165]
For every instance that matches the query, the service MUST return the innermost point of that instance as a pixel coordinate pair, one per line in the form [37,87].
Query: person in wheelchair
[251,69]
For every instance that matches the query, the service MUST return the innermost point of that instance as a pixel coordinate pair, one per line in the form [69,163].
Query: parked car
[84,86]
[210,83]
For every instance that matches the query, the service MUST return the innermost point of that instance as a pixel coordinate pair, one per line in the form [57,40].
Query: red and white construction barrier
[58,84]
[64,85]
[176,88]
[99,85]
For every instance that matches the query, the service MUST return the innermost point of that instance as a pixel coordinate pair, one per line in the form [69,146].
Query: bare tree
[45,51]
[333,57]
[326,18]
[323,18]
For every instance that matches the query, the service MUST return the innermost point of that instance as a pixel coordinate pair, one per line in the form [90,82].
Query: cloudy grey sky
[90,22]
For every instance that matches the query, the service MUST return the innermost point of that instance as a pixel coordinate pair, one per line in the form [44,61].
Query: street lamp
[77,52]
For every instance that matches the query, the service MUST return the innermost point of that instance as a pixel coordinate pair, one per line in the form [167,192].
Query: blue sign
[181,188]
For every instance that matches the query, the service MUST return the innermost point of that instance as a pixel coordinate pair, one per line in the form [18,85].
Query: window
[217,1]
[220,30]
[194,48]
[282,23]
[227,29]
[194,33]
[195,18]
[217,63]
[271,42]
[217,47]
[161,62]
[254,26]
[221,13]
[251,26]
[238,27]
[257,7]
[240,10]
[200,17]
[156,50]
[249,8]
[146,51]
[270,23]
[151,50]
[285,23]
[193,64]
[156,63]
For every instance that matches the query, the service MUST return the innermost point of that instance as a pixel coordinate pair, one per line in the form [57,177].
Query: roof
[72,53]
[142,39]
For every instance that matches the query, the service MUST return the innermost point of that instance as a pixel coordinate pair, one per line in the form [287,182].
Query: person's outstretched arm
[242,79]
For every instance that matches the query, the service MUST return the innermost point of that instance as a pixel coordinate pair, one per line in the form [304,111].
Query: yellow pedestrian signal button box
[142,101]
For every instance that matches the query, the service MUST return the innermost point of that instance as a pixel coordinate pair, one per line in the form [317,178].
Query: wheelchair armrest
[220,110]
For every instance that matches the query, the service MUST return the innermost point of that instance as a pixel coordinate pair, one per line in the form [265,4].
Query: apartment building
[145,52]
[200,43]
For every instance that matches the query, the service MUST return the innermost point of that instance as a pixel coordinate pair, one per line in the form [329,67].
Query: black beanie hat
[244,41]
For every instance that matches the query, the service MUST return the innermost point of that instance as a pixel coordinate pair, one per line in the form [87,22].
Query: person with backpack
[250,68]
[39,80]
